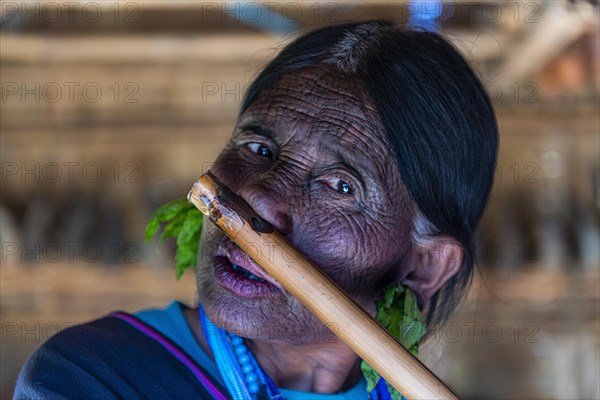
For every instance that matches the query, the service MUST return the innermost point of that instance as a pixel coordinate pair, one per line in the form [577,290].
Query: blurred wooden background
[111,108]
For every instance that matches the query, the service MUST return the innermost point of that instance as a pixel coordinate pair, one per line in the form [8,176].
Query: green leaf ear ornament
[398,312]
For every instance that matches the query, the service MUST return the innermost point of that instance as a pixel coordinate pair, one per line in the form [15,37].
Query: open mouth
[246,274]
[237,272]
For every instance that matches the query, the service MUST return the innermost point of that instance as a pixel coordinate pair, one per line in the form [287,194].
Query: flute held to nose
[316,291]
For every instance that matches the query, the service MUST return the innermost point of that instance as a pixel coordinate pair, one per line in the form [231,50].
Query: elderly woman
[372,150]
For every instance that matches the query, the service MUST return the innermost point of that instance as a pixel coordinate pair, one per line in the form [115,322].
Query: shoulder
[106,358]
[74,362]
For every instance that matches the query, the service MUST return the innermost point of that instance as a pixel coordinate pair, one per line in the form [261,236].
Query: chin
[280,320]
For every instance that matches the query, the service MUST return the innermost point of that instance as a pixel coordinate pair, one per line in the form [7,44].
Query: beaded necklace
[242,375]
[240,371]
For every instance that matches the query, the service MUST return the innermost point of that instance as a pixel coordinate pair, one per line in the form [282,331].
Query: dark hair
[436,114]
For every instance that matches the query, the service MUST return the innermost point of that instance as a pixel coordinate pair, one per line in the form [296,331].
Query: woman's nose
[269,204]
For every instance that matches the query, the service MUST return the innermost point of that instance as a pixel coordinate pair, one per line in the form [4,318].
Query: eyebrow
[256,128]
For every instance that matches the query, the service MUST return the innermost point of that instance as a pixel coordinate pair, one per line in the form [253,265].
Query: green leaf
[398,312]
[394,394]
[152,228]
[371,376]
[183,221]
[172,229]
[191,227]
[392,294]
[185,258]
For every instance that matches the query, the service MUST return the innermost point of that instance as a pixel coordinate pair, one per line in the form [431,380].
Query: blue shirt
[171,322]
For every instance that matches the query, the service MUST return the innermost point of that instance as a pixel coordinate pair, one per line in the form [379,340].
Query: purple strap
[181,356]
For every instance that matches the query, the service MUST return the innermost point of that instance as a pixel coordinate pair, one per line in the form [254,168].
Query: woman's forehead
[321,82]
[317,101]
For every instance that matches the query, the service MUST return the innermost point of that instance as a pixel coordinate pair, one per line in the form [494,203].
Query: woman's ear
[431,265]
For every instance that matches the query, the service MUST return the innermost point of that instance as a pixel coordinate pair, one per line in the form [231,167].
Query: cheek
[353,251]
[209,243]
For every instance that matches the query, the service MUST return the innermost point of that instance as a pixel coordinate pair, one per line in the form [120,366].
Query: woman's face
[311,158]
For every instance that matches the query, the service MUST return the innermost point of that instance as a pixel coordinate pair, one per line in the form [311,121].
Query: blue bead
[236,340]
[251,377]
[253,387]
[244,359]
[247,368]
[239,350]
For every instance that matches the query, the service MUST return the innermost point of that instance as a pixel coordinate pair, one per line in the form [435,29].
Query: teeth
[246,273]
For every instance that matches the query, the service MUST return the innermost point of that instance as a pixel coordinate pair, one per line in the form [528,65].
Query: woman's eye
[260,149]
[341,186]
[344,187]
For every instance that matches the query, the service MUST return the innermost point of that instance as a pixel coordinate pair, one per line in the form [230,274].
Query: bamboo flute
[316,291]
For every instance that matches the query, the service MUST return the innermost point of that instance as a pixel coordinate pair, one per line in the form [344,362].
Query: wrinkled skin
[309,155]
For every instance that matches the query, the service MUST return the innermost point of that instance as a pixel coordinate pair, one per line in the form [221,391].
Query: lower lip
[237,283]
